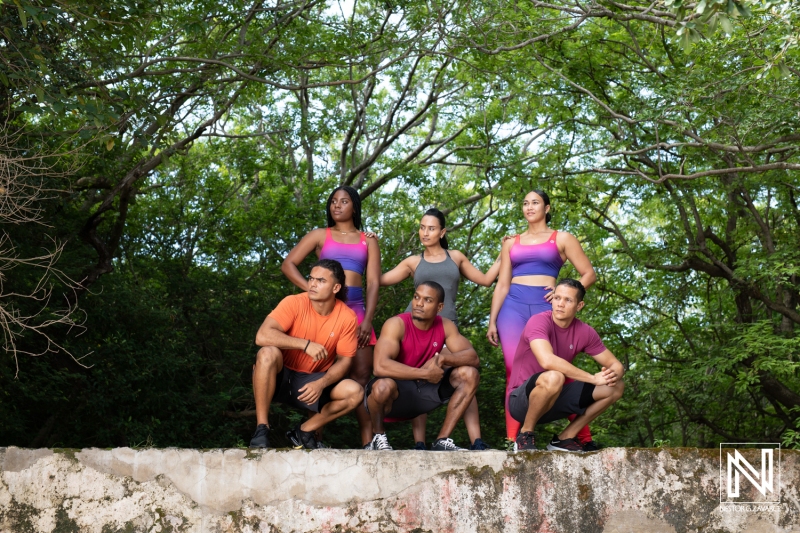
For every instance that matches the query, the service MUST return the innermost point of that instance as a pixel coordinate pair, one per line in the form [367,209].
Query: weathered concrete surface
[613,491]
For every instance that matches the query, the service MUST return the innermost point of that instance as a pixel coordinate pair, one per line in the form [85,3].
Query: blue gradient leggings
[521,303]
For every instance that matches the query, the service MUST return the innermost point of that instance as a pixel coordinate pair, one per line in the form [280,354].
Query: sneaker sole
[552,448]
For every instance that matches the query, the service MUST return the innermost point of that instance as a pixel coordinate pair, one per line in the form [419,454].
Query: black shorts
[416,397]
[288,385]
[575,397]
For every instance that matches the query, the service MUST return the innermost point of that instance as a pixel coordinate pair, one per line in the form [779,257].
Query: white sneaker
[446,445]
[380,442]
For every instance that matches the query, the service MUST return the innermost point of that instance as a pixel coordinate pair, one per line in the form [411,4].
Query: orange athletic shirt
[336,331]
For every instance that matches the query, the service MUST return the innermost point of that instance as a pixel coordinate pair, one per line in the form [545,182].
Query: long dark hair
[338,273]
[433,212]
[546,200]
[354,197]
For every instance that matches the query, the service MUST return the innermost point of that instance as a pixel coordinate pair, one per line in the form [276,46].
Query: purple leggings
[521,303]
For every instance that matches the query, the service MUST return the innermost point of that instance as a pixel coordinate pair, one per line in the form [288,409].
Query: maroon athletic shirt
[566,342]
[419,346]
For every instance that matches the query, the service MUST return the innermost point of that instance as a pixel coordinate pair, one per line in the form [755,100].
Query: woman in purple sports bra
[360,257]
[529,266]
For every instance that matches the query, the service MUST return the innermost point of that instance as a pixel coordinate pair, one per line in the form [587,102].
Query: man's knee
[269,356]
[350,391]
[617,390]
[383,390]
[465,375]
[550,380]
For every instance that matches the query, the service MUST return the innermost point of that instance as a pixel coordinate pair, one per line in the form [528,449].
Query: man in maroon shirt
[415,375]
[546,386]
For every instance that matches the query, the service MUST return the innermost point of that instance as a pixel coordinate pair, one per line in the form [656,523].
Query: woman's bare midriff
[534,281]
[352,279]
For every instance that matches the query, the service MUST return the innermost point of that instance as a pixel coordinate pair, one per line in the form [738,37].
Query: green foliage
[200,140]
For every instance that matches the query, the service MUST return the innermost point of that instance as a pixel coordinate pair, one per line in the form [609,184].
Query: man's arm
[543,351]
[310,392]
[272,334]
[611,366]
[461,352]
[388,348]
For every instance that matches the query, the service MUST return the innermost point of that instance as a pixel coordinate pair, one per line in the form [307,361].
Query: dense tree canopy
[159,159]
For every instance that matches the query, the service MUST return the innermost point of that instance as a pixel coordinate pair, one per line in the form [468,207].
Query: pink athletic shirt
[418,346]
[567,343]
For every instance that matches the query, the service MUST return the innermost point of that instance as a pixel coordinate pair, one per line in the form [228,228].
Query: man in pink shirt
[414,376]
[546,386]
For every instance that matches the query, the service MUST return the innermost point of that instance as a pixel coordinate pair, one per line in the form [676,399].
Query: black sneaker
[260,438]
[300,439]
[591,446]
[525,441]
[445,445]
[478,445]
[566,445]
[420,446]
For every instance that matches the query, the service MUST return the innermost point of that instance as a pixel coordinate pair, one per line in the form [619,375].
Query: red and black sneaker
[566,445]
[525,441]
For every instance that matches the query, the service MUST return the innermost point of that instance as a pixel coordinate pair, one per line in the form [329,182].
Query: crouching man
[546,386]
[414,377]
[307,345]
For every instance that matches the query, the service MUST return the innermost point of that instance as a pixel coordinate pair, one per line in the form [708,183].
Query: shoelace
[380,442]
[448,444]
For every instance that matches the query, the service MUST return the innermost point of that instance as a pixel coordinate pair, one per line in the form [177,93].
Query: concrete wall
[615,490]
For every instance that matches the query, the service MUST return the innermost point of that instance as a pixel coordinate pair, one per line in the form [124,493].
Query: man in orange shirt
[307,345]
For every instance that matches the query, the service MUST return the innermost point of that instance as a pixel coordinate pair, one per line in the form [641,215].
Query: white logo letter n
[737,464]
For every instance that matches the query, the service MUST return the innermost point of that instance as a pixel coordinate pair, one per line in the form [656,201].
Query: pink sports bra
[352,256]
[541,259]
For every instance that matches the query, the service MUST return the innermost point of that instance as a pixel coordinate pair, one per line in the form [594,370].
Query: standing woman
[529,267]
[359,255]
[444,266]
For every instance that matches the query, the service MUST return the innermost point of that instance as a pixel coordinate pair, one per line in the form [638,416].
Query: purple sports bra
[352,256]
[541,259]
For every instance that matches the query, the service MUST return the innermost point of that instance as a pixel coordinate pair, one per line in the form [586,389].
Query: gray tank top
[445,274]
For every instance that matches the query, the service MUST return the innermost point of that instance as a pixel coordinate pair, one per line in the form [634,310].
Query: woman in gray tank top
[438,263]
[445,267]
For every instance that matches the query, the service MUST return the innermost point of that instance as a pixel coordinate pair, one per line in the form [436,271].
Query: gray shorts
[575,397]
[288,385]
[415,397]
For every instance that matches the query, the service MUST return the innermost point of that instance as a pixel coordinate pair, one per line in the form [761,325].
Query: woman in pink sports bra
[360,257]
[529,266]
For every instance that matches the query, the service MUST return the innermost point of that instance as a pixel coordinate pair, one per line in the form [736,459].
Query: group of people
[318,350]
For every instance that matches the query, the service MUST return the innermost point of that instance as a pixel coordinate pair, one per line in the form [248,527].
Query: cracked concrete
[616,490]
